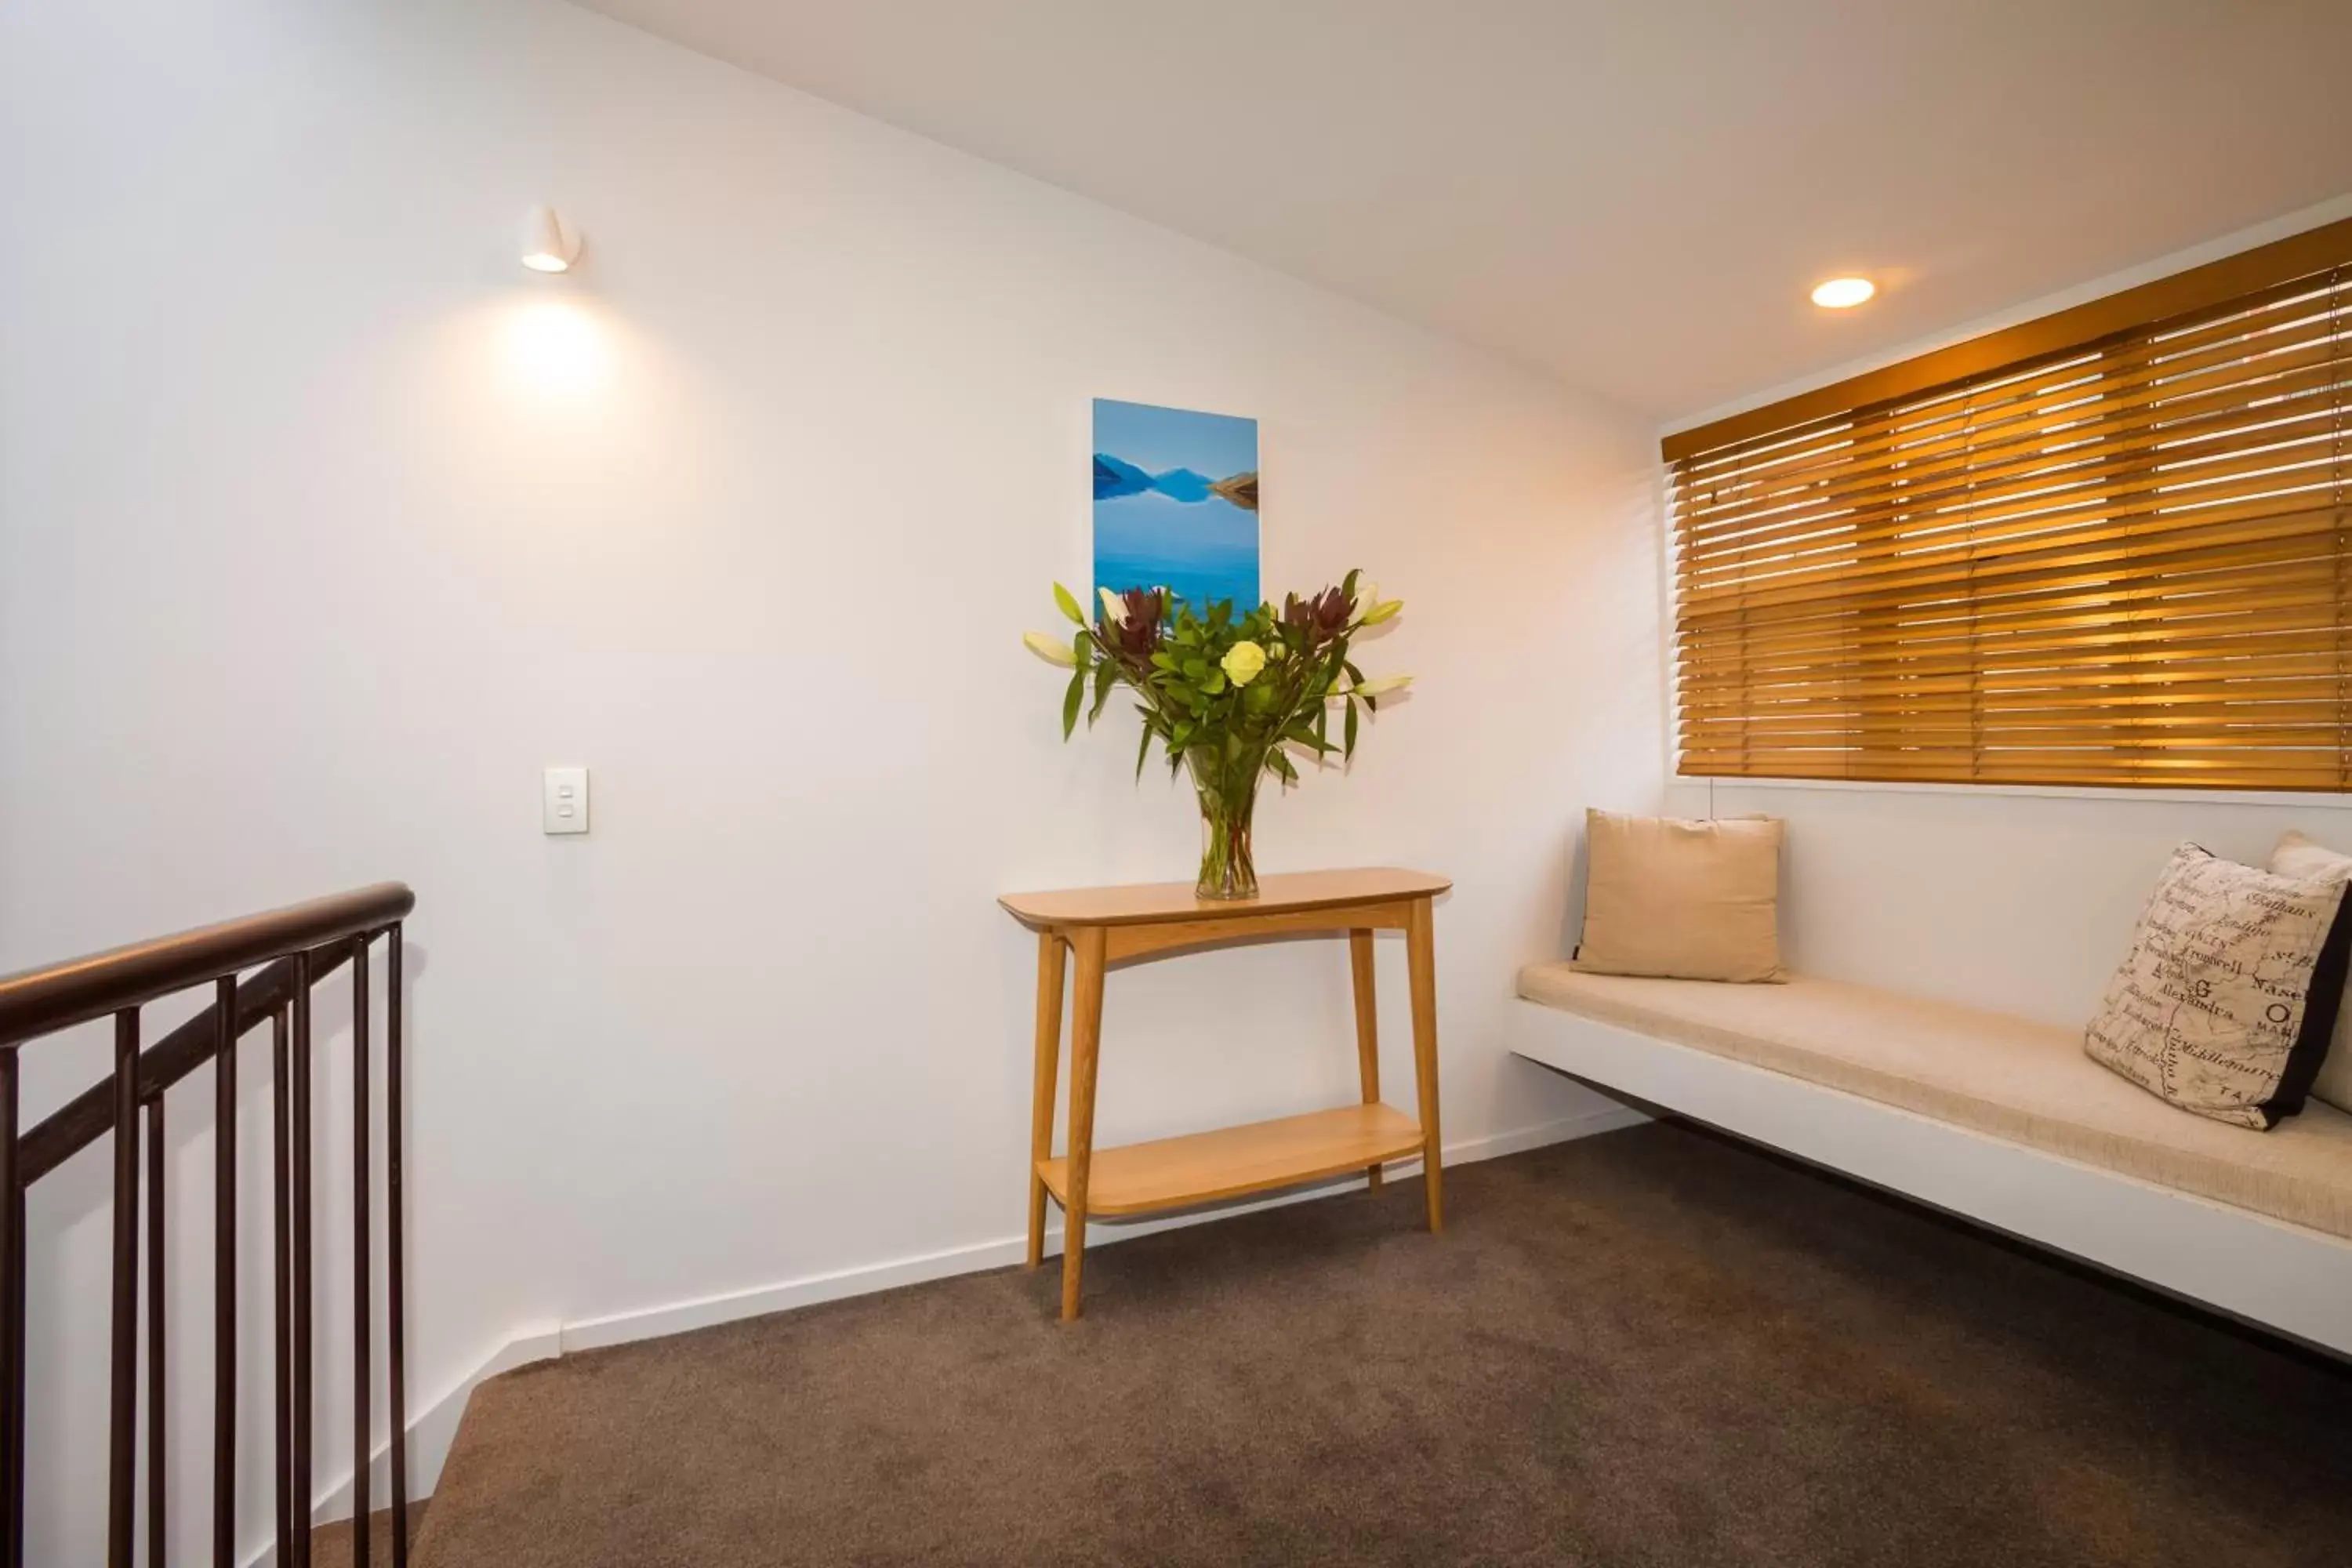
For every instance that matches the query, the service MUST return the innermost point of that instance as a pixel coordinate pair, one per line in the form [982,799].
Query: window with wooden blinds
[2106,553]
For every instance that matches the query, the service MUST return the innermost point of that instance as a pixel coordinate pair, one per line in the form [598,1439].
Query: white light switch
[563,804]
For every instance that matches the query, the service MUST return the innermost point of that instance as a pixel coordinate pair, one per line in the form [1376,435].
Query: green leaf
[1280,761]
[1348,584]
[1070,701]
[1069,605]
[1104,672]
[1143,751]
[1164,662]
[1348,730]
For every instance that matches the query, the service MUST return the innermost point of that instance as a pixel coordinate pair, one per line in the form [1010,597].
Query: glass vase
[1228,869]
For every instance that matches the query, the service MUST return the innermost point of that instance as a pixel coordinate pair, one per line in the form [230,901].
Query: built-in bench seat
[1994,1116]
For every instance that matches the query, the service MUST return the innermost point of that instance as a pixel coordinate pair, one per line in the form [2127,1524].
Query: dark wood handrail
[260,970]
[89,1115]
[58,996]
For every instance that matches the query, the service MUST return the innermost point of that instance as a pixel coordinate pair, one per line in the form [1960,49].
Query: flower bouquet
[1227,695]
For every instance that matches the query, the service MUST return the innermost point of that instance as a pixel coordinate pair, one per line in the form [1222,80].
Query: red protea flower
[1315,621]
[1133,630]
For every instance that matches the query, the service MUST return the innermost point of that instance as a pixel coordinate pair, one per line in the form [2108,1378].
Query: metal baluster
[281,1288]
[225,1275]
[12,1323]
[156,1281]
[16,1369]
[298,1309]
[395,1267]
[361,1422]
[123,1417]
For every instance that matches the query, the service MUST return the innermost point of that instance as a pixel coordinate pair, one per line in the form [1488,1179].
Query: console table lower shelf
[1234,1162]
[1100,926]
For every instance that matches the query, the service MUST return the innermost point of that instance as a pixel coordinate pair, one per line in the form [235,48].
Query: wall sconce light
[549,244]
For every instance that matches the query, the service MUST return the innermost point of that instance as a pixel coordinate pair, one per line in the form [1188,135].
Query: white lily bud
[1114,607]
[1051,649]
[1384,685]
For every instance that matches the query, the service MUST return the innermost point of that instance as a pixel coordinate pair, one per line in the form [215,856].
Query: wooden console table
[1105,925]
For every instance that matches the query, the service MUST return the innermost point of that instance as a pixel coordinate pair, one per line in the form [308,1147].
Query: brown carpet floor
[1651,1347]
[331,1544]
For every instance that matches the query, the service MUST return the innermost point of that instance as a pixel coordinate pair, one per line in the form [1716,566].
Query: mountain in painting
[1115,476]
[1241,490]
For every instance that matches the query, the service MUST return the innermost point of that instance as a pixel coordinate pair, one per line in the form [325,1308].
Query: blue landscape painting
[1176,504]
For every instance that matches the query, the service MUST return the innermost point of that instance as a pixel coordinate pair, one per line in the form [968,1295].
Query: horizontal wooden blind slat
[2097,405]
[2250,438]
[2299,401]
[2125,560]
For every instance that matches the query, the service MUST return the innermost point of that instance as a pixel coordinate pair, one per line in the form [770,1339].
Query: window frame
[2121,322]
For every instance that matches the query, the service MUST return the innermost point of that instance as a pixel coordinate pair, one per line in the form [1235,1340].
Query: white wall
[323,527]
[2021,903]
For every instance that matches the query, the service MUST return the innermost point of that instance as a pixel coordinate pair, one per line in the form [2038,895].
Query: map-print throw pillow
[2299,856]
[2226,1000]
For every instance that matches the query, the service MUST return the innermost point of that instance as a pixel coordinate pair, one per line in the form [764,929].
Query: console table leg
[1368,1028]
[1421,959]
[1050,965]
[1086,1039]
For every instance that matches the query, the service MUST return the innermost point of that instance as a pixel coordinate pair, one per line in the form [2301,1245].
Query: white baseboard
[432,1430]
[651,1322]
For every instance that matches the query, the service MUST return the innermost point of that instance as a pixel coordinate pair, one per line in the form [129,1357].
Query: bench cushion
[2029,1083]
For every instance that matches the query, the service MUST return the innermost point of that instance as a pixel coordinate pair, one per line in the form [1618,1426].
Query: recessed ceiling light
[1844,293]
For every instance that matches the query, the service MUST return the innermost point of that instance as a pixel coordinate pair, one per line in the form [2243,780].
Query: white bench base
[2285,1278]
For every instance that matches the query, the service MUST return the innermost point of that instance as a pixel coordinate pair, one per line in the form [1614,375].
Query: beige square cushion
[2223,1002]
[1680,900]
[2299,856]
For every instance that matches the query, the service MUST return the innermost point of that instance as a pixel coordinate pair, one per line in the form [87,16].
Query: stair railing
[260,969]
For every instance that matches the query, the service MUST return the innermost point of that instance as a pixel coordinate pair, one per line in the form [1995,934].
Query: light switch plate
[563,801]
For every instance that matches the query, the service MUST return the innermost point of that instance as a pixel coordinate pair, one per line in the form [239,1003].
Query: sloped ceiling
[1633,197]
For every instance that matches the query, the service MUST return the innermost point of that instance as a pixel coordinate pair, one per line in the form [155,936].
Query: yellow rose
[1243,662]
